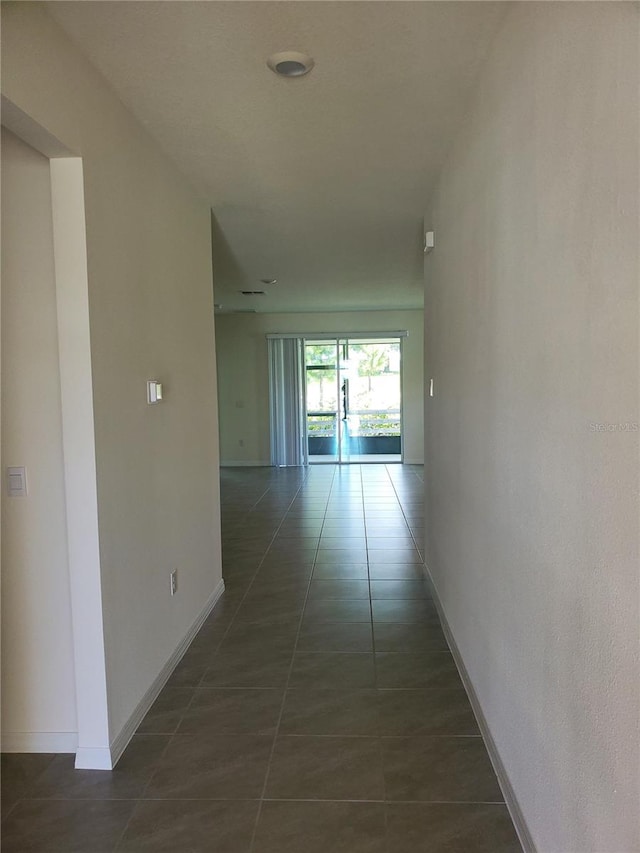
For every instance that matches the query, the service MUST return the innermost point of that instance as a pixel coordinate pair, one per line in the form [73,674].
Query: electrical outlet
[174,581]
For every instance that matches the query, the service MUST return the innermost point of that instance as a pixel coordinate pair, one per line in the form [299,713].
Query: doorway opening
[353,400]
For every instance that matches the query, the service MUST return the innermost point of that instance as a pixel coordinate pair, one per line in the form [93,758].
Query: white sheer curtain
[286,401]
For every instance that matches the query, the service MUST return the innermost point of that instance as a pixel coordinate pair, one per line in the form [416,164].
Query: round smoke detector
[289,63]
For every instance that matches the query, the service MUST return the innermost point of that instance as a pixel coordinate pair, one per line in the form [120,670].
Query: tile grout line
[380,741]
[381,749]
[251,582]
[288,680]
[409,528]
[256,799]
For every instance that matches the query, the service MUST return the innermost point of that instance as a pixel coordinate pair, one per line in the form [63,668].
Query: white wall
[531,313]
[243,375]
[38,684]
[151,316]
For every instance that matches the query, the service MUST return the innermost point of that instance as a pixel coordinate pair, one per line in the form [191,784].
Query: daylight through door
[353,400]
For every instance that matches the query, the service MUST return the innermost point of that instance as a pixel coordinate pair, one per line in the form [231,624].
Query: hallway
[318,709]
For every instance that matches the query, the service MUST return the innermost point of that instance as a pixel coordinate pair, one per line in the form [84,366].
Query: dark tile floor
[318,709]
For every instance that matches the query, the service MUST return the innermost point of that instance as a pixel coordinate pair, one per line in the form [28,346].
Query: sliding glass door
[323,419]
[353,400]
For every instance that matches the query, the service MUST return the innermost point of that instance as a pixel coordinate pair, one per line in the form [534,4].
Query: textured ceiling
[319,181]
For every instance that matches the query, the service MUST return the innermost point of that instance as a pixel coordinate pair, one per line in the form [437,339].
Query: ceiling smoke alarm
[290,63]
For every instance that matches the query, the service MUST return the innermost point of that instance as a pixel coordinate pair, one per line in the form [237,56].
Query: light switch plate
[429,240]
[154,391]
[17,482]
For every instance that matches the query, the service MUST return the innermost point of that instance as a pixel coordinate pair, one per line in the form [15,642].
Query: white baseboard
[503,780]
[120,742]
[232,464]
[39,741]
[93,758]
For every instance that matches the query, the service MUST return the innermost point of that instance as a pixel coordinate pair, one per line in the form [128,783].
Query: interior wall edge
[79,446]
